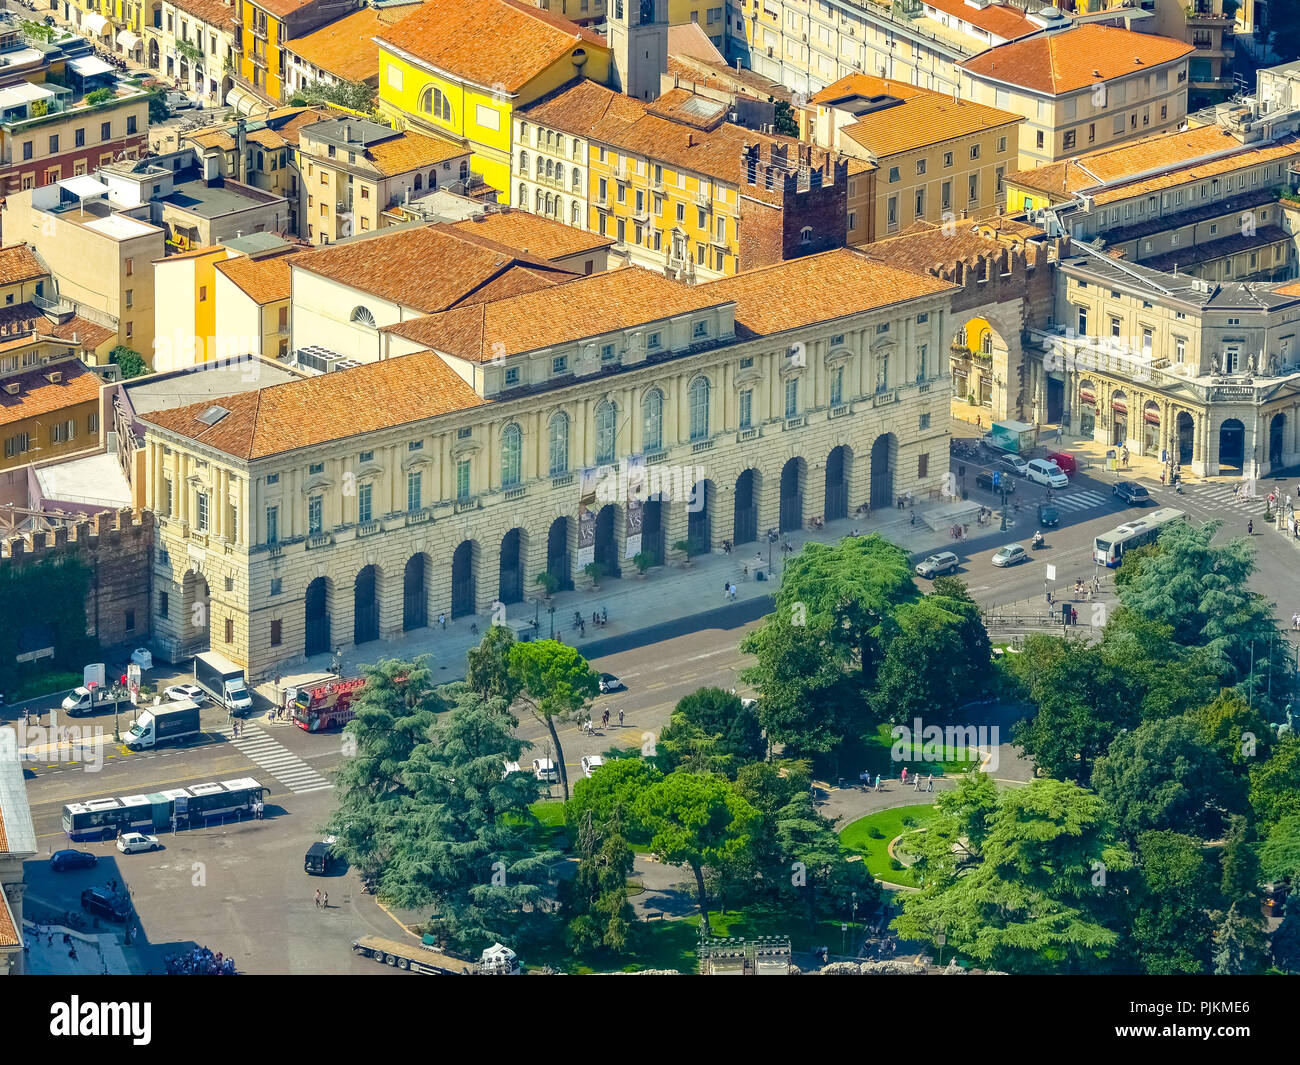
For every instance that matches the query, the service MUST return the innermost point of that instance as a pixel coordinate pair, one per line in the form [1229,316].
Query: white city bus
[1108,548]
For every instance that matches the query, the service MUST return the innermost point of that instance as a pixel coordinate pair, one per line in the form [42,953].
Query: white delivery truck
[164,723]
[224,681]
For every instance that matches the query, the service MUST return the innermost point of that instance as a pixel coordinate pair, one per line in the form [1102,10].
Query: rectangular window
[923,465]
[792,397]
[230,630]
[272,525]
[272,478]
[365,493]
[560,364]
[27,149]
[54,144]
[315,468]
[315,515]
[837,386]
[1083,321]
[79,138]
[276,632]
[201,511]
[413,491]
[277,585]
[924,422]
[746,408]
[130,124]
[462,479]
[920,166]
[164,604]
[168,511]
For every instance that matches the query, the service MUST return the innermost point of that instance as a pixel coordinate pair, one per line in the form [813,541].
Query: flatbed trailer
[413,957]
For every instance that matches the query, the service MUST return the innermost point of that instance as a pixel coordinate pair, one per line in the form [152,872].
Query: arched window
[577,179]
[606,432]
[523,196]
[362,316]
[419,182]
[464,170]
[558,443]
[698,398]
[537,200]
[538,167]
[575,214]
[986,342]
[576,149]
[805,235]
[550,169]
[433,178]
[550,204]
[652,421]
[523,131]
[512,455]
[433,102]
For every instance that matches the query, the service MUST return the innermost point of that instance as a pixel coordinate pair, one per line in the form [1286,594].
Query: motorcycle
[1037,545]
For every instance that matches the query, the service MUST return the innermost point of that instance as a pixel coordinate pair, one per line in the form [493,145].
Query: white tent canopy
[83,187]
[127,40]
[95,23]
[90,65]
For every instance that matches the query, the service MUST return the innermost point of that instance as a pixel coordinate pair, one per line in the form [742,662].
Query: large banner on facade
[636,484]
[587,517]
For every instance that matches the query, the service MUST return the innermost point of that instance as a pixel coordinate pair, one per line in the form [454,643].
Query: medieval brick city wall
[118,549]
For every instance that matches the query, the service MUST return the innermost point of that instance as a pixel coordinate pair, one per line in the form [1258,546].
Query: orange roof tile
[865,85]
[600,114]
[216,13]
[89,335]
[429,268]
[315,411]
[924,120]
[412,151]
[489,42]
[1173,155]
[533,234]
[346,47]
[1000,20]
[817,288]
[588,306]
[262,280]
[18,263]
[37,396]
[1076,58]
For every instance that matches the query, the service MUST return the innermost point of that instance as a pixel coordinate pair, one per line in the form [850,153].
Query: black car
[985,481]
[1132,493]
[61,861]
[320,856]
[104,903]
[1048,515]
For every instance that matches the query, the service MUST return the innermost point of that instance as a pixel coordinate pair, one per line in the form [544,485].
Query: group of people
[866,781]
[200,962]
[729,590]
[959,532]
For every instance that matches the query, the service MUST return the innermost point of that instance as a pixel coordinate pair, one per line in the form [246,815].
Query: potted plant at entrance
[548,582]
[687,548]
[594,571]
[642,560]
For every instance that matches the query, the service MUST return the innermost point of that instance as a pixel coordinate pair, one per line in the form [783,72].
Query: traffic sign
[1051,572]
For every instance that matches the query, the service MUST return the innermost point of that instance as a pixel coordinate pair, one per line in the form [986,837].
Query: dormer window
[560,364]
[701,330]
[606,352]
[512,376]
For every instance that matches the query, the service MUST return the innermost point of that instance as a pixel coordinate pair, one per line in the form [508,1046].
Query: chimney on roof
[690,140]
[347,132]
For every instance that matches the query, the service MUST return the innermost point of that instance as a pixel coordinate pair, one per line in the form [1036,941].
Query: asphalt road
[241,888]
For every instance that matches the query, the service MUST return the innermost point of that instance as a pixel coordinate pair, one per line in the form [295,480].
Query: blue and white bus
[181,807]
[1108,548]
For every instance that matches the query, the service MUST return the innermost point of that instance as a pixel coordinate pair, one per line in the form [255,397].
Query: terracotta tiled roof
[315,411]
[428,268]
[533,234]
[216,13]
[593,111]
[924,120]
[37,396]
[8,933]
[694,71]
[280,8]
[1076,58]
[283,126]
[816,288]
[262,280]
[1185,258]
[926,245]
[589,306]
[865,85]
[346,48]
[412,151]
[999,19]
[90,335]
[18,263]
[1164,152]
[488,42]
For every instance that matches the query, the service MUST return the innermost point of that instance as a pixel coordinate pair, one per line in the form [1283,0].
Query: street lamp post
[1002,484]
[551,610]
[940,940]
[772,537]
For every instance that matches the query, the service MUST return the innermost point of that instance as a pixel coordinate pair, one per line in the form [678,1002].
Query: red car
[1065,461]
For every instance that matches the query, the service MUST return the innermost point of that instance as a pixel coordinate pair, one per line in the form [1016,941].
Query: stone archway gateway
[838,464]
[606,554]
[744,525]
[884,456]
[1151,429]
[557,554]
[317,617]
[1276,440]
[463,588]
[365,592]
[1232,446]
[699,517]
[792,482]
[415,592]
[510,586]
[1186,426]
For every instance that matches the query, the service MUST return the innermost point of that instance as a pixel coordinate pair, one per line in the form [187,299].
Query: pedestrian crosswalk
[1084,500]
[1239,496]
[276,759]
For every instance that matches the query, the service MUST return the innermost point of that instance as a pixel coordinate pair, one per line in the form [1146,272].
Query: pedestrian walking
[325,901]
[442,620]
[904,775]
[318,898]
[929,782]
[1162,478]
[877,781]
[916,782]
[620,718]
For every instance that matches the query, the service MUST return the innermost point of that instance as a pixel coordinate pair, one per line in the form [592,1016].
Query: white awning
[242,101]
[90,65]
[95,23]
[127,40]
[83,187]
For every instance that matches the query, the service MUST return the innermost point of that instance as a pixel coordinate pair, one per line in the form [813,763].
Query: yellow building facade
[441,71]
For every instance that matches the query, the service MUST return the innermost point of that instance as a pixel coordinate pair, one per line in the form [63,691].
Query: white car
[181,692]
[546,771]
[1009,555]
[1015,464]
[510,767]
[1041,471]
[590,763]
[132,842]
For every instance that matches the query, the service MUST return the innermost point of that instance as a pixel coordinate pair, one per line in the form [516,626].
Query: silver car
[935,565]
[1009,555]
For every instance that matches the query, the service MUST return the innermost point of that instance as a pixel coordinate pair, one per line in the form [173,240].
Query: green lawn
[877,754]
[857,837]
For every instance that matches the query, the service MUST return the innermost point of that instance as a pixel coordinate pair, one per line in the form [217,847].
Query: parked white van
[1041,471]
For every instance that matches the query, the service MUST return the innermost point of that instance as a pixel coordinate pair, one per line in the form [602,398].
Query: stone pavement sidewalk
[669,593]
